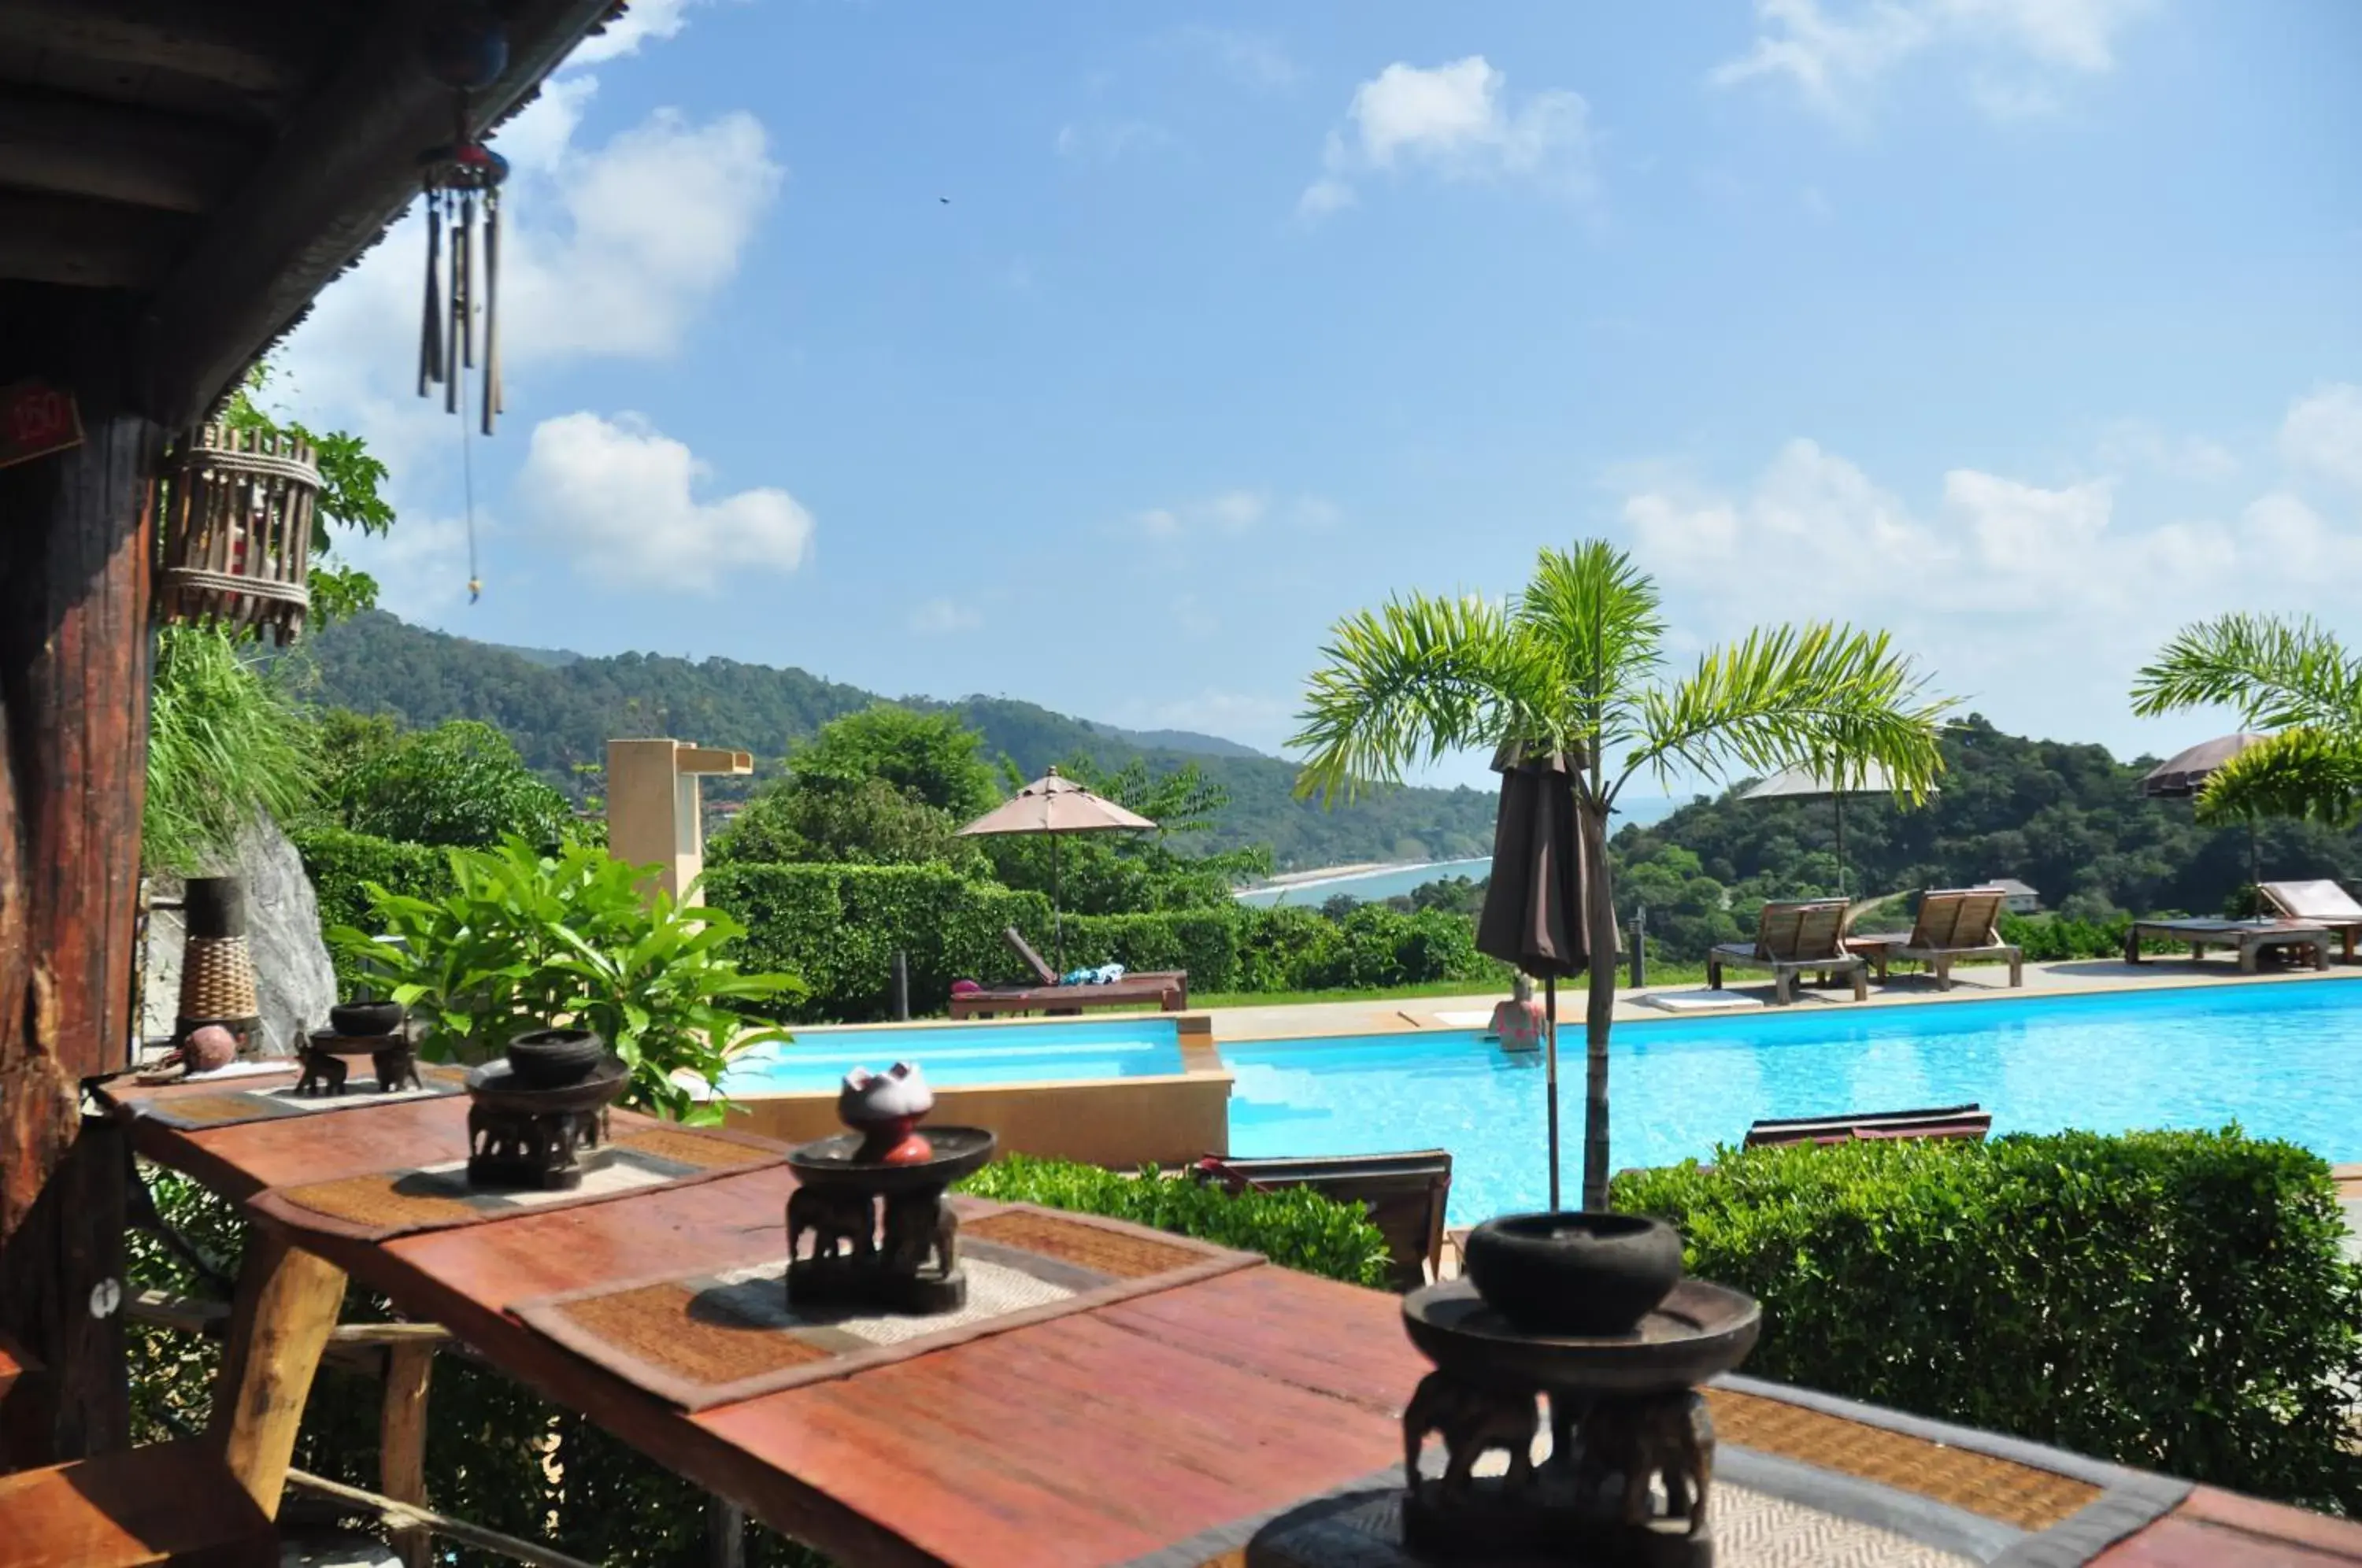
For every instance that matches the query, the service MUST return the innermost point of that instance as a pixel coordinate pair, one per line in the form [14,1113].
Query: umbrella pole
[1550,991]
[1057,925]
[1839,800]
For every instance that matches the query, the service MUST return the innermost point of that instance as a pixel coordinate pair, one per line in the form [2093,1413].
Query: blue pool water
[2283,1061]
[953,1058]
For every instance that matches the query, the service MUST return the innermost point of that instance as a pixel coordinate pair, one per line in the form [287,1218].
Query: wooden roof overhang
[215,162]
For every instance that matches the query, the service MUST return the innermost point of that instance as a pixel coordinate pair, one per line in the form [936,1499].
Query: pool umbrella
[1802,783]
[2182,775]
[1533,911]
[1056,805]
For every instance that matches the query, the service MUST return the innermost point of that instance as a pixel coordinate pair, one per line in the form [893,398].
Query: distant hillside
[562,709]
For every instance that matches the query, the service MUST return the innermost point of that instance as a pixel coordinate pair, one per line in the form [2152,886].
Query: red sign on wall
[35,420]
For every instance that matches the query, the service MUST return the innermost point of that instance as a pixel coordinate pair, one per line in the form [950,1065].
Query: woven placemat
[262,1101]
[718,1338]
[1982,1483]
[377,1205]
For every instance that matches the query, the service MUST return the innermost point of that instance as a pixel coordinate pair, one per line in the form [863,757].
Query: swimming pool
[957,1056]
[2283,1061]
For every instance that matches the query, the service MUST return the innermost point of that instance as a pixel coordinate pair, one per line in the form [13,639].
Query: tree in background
[461,783]
[1569,668]
[932,756]
[2289,676]
[883,787]
[1126,873]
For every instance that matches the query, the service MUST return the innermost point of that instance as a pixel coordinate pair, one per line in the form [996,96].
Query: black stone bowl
[496,1086]
[357,1020]
[1698,1332]
[553,1058]
[1574,1271]
[830,1162]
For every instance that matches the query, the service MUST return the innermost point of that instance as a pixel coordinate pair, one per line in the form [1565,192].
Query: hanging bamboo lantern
[238,531]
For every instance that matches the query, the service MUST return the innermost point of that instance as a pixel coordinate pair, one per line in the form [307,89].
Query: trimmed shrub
[1295,1227]
[2175,1301]
[342,863]
[838,927]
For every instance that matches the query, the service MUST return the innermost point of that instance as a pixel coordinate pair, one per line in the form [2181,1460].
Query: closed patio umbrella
[1802,783]
[2182,775]
[1533,911]
[1053,804]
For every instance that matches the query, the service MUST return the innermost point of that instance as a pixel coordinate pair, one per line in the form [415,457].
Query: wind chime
[467,50]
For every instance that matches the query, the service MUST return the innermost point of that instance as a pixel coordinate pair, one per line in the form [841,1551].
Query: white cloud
[620,496]
[1107,141]
[2134,444]
[943,618]
[420,566]
[1232,512]
[642,21]
[1455,122]
[2323,433]
[1251,59]
[1834,56]
[1245,717]
[2005,586]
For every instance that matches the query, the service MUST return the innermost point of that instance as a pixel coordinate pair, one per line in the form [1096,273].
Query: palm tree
[1569,666]
[2292,676]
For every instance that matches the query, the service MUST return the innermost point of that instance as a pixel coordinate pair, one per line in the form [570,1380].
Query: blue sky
[2029,329]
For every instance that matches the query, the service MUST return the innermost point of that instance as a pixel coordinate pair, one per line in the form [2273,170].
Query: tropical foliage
[1568,670]
[2291,677]
[461,783]
[526,939]
[224,744]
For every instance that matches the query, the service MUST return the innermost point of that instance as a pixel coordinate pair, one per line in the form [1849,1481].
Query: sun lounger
[2248,937]
[1404,1193]
[1168,988]
[1801,937]
[1946,1121]
[2318,903]
[1953,924]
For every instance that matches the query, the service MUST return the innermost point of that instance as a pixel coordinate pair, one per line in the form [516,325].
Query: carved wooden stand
[908,1264]
[536,1139]
[326,1062]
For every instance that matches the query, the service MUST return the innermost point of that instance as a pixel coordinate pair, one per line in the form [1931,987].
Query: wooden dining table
[1157,1428]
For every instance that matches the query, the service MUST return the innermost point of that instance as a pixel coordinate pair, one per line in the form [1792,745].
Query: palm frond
[1420,676]
[1831,698]
[2275,673]
[2305,772]
[1599,614]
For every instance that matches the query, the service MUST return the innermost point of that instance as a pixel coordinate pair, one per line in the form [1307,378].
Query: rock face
[293,980]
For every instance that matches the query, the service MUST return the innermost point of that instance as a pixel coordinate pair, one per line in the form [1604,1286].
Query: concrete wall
[1118,1123]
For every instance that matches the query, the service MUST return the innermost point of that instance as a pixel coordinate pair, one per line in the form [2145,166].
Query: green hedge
[2171,1301]
[341,862]
[839,927]
[1295,1227]
[1204,942]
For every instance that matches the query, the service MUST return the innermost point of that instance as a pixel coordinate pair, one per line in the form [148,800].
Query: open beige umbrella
[1056,805]
[2182,775]
[1801,783]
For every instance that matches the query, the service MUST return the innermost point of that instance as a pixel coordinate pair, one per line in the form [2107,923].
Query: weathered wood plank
[74,660]
[402,1440]
[251,49]
[170,1502]
[86,244]
[287,1302]
[67,145]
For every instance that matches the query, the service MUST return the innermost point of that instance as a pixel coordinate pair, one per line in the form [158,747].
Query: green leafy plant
[1568,671]
[224,745]
[461,783]
[2289,676]
[1295,1227]
[524,939]
[2172,1300]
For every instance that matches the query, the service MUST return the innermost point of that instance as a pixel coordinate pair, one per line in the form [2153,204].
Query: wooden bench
[170,1503]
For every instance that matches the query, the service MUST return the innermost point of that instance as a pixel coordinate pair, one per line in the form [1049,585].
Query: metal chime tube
[430,331]
[453,348]
[491,307]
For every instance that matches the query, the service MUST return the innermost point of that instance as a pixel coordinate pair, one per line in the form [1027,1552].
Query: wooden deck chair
[1956,923]
[1794,937]
[1406,1194]
[1942,1122]
[1168,988]
[2322,903]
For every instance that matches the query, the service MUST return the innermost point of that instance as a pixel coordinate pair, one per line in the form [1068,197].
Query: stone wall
[293,980]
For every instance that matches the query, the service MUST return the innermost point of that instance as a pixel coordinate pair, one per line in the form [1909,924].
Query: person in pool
[1517,1020]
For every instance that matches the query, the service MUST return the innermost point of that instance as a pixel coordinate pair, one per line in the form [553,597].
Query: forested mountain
[561,710]
[2068,819]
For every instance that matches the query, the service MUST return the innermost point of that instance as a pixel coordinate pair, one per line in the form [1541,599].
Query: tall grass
[224,744]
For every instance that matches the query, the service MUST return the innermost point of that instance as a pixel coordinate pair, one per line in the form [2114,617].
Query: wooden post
[287,1302]
[74,662]
[402,1440]
[725,1534]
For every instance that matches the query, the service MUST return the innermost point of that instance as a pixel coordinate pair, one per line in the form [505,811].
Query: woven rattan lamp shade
[216,966]
[237,531]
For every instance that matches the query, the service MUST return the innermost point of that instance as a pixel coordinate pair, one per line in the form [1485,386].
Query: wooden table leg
[402,1440]
[287,1302]
[2247,951]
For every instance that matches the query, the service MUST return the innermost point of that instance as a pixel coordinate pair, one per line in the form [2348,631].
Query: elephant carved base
[545,1151]
[1626,1483]
[912,1266]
